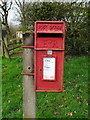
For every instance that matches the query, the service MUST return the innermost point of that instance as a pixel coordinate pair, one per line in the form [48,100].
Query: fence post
[29,98]
[0,71]
[6,47]
[1,41]
[6,41]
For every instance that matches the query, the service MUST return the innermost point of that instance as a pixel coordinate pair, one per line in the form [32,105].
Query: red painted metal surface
[49,35]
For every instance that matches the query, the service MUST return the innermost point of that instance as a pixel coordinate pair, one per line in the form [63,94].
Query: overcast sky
[12,18]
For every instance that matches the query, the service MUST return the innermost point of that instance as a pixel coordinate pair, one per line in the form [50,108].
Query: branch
[9,6]
[2,16]
[18,4]
[3,23]
[18,11]
[1,13]
[1,6]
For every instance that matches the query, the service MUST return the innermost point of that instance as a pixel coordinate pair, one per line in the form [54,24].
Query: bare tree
[5,6]
[22,8]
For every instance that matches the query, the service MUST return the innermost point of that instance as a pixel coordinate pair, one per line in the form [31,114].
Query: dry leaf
[74,111]
[46,96]
[6,108]
[56,113]
[70,113]
[9,101]
[46,101]
[60,106]
[18,85]
[49,106]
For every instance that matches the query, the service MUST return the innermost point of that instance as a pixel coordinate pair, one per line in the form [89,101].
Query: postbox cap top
[49,22]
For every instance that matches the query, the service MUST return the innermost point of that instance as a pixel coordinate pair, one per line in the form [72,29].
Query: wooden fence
[9,46]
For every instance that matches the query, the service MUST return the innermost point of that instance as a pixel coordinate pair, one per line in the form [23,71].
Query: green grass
[72,103]
[12,88]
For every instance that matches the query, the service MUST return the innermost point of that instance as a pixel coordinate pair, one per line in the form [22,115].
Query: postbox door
[53,81]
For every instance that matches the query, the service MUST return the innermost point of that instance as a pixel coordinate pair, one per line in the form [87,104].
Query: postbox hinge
[28,74]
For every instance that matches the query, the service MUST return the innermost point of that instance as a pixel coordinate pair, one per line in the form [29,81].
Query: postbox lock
[49,52]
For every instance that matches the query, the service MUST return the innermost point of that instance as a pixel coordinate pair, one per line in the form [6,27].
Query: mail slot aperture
[50,35]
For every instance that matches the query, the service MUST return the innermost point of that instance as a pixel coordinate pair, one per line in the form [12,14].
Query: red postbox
[49,56]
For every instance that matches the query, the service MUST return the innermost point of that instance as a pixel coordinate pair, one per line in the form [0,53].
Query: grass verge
[12,88]
[72,103]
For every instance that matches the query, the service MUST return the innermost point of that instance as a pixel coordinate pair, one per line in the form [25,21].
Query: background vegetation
[75,14]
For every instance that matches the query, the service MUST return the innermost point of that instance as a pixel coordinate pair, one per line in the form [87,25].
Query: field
[72,103]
